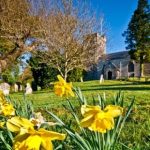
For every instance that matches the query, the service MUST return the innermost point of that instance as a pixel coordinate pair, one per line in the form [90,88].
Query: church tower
[101,46]
[98,48]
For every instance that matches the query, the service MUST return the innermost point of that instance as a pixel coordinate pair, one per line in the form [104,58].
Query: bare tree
[70,36]
[17,24]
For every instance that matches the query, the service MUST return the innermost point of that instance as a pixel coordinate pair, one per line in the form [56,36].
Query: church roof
[111,64]
[117,55]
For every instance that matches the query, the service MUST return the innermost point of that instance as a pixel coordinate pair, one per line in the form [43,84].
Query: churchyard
[61,88]
[136,131]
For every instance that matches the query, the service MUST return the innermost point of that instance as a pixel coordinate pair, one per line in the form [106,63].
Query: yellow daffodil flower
[18,124]
[30,139]
[2,98]
[62,88]
[113,110]
[99,120]
[36,140]
[2,124]
[7,109]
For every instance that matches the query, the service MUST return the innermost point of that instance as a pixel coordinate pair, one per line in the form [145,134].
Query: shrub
[75,75]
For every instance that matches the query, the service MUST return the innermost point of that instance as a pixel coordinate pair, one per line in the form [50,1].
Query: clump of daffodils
[28,134]
[99,128]
[101,125]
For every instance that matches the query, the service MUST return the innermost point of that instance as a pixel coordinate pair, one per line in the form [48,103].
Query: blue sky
[117,14]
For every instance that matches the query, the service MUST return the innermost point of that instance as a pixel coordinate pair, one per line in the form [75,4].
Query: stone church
[116,65]
[120,66]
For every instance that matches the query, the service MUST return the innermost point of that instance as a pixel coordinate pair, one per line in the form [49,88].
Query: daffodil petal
[20,138]
[86,122]
[12,127]
[32,142]
[87,109]
[7,109]
[113,110]
[2,124]
[15,123]
[69,89]
[18,145]
[46,144]
[51,135]
[62,88]
[2,97]
[61,79]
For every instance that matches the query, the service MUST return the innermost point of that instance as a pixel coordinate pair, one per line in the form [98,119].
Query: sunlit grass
[136,133]
[140,90]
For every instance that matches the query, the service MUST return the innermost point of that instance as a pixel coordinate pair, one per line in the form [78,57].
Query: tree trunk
[141,70]
[10,58]
[65,76]
[141,65]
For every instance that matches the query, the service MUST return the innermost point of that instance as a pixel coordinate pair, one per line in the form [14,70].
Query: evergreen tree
[138,34]
[42,73]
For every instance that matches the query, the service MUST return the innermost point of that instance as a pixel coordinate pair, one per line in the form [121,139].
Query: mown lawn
[139,90]
[136,133]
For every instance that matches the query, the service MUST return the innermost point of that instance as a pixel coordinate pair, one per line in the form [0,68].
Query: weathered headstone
[28,89]
[38,88]
[101,79]
[20,89]
[16,87]
[5,87]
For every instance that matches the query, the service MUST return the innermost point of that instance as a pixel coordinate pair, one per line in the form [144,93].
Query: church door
[109,75]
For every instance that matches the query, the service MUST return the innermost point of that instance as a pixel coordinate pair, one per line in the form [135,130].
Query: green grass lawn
[136,133]
[140,90]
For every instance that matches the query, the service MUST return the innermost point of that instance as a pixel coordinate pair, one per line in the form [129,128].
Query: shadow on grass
[111,85]
[116,87]
[119,84]
[42,91]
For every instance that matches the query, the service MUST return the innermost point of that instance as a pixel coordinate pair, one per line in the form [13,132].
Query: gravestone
[38,88]
[20,89]
[101,79]
[16,87]
[5,87]
[28,89]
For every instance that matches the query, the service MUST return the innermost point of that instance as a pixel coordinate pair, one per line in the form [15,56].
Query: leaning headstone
[101,79]
[5,87]
[28,89]
[16,87]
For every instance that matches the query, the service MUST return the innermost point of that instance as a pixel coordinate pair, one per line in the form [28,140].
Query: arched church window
[131,67]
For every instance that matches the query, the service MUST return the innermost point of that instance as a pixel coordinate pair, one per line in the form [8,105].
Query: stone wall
[137,70]
[147,69]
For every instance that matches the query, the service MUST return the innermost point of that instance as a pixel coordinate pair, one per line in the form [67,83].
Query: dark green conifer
[138,34]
